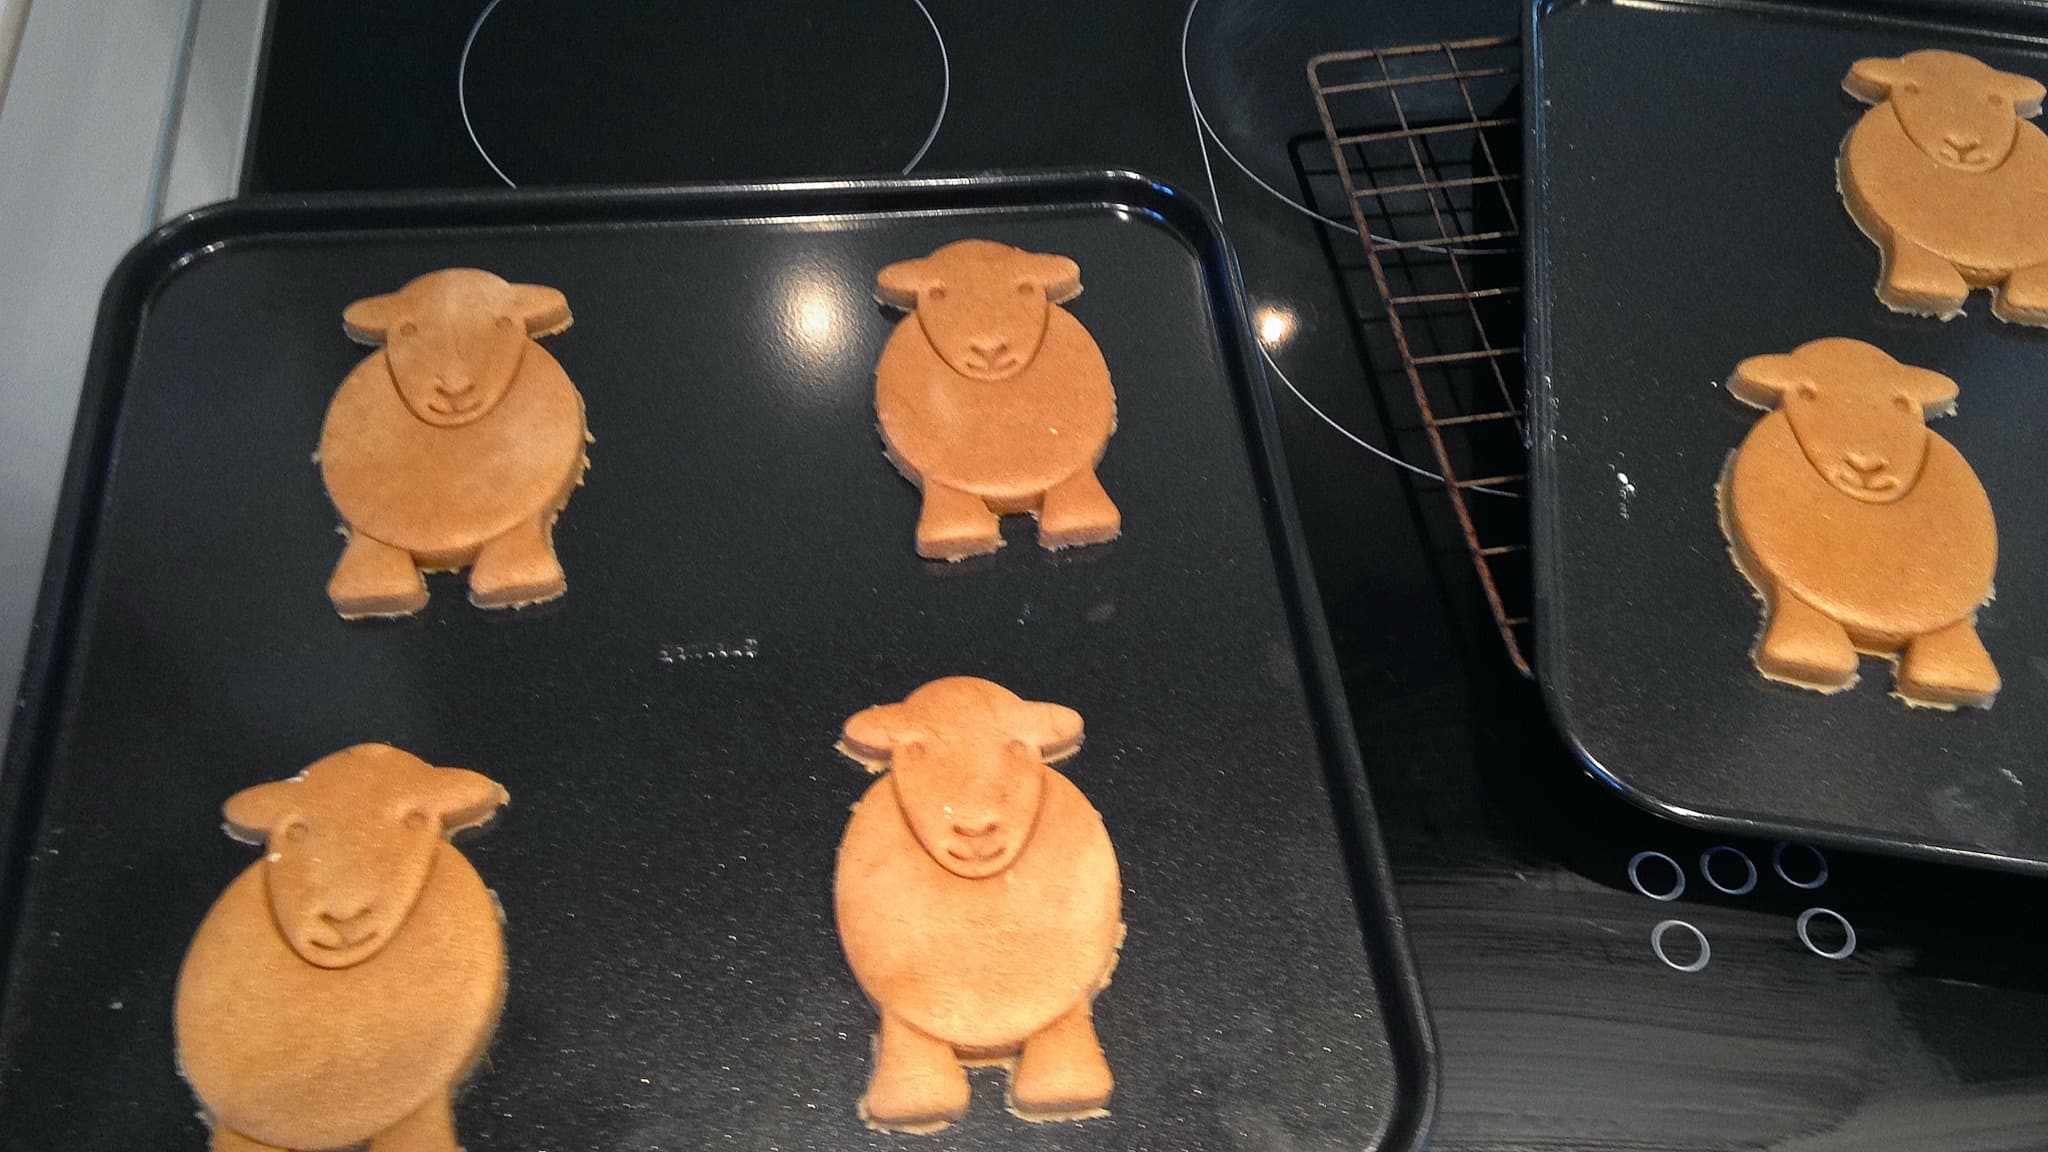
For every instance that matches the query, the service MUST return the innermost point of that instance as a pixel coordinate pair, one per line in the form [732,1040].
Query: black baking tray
[741,579]
[1683,215]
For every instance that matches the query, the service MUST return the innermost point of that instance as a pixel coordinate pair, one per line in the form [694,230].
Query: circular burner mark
[1820,865]
[1720,883]
[1706,952]
[616,92]
[1635,876]
[1842,951]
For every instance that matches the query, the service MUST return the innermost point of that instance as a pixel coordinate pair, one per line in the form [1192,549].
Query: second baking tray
[741,579]
[1684,215]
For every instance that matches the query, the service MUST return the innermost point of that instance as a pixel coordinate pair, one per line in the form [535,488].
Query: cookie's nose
[988,347]
[453,388]
[1863,463]
[342,912]
[1963,145]
[975,826]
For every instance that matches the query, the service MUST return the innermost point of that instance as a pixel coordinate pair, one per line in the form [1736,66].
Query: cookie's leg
[2024,297]
[430,1129]
[955,525]
[918,1084]
[1805,647]
[1078,511]
[1916,280]
[517,569]
[229,1140]
[374,579]
[1062,1074]
[1949,667]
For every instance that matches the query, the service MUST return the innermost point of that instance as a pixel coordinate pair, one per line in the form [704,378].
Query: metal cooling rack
[1426,142]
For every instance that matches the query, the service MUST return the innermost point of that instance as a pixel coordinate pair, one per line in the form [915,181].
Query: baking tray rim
[1536,348]
[152,261]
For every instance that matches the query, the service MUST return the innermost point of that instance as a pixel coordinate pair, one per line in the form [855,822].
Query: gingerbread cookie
[978,904]
[1948,178]
[345,983]
[1861,529]
[455,445]
[992,399]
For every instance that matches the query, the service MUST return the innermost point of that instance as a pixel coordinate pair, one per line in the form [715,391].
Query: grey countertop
[117,115]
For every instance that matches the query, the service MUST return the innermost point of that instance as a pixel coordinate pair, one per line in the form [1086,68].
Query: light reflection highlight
[1275,325]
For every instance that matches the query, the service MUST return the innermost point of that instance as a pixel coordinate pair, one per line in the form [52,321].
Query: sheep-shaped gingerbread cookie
[1861,529]
[345,983]
[455,445]
[993,399]
[1951,181]
[979,905]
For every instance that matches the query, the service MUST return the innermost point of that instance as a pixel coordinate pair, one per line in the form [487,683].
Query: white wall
[82,144]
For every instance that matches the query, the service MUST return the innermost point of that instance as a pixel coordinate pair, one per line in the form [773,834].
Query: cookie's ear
[463,799]
[1055,730]
[542,309]
[368,320]
[1763,380]
[2025,92]
[254,813]
[1059,276]
[871,734]
[899,283]
[1871,79]
[1935,393]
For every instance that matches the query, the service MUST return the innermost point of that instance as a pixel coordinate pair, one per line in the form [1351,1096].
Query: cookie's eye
[408,329]
[935,292]
[295,831]
[914,749]
[1902,402]
[1808,391]
[504,322]
[1995,100]
[1019,748]
[415,819]
[1911,87]
[1026,287]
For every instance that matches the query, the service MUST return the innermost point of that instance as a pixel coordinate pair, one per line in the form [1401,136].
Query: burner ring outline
[1635,878]
[469,42]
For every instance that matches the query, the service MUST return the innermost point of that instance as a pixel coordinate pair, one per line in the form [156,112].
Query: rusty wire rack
[1425,139]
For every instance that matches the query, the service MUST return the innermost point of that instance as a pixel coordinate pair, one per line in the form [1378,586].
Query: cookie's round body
[298,1056]
[980,964]
[1988,224]
[1885,572]
[442,493]
[1006,441]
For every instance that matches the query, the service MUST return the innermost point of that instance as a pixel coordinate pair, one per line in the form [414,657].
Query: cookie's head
[350,841]
[981,304]
[1859,415]
[1960,111]
[967,759]
[454,338]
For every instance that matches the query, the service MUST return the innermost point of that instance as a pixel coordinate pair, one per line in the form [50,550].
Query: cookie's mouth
[998,366]
[976,860]
[346,944]
[455,405]
[969,854]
